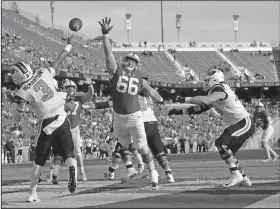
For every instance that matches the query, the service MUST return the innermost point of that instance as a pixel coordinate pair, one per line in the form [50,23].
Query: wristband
[187,99]
[68,47]
[106,35]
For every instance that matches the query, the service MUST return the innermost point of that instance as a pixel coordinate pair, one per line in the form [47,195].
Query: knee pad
[224,151]
[140,143]
[123,152]
[117,155]
[57,160]
[146,154]
[161,157]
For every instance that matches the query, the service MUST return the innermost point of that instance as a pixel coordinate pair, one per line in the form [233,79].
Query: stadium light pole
[178,24]
[162,39]
[235,24]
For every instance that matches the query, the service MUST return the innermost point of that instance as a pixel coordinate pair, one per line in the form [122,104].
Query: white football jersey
[230,108]
[41,94]
[147,113]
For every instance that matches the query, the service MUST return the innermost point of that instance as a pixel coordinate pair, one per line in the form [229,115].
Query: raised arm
[147,89]
[111,63]
[84,98]
[63,54]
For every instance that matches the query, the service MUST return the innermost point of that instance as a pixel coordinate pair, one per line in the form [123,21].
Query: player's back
[41,95]
[230,108]
[124,90]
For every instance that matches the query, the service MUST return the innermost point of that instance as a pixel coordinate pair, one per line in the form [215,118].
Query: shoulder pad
[217,88]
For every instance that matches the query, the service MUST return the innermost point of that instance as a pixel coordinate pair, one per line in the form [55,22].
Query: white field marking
[65,199]
[272,201]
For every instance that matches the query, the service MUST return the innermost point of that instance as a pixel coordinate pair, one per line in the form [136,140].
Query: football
[75,24]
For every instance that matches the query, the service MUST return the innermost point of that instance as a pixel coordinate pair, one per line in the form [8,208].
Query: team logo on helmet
[21,72]
[213,77]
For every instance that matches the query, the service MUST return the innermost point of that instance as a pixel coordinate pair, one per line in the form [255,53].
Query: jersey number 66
[128,85]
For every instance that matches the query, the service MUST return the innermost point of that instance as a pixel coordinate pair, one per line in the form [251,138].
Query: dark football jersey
[124,87]
[261,116]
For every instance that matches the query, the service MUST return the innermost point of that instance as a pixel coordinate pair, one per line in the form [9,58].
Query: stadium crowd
[178,133]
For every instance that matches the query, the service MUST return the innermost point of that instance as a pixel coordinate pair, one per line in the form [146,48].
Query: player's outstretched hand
[160,104]
[88,80]
[70,39]
[105,25]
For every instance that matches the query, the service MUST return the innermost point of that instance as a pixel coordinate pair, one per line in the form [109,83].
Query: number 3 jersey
[124,87]
[41,95]
[230,107]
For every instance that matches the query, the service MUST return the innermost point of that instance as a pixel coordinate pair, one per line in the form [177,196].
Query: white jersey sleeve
[147,112]
[230,107]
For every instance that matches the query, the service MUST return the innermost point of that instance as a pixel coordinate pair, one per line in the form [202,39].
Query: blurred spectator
[10,150]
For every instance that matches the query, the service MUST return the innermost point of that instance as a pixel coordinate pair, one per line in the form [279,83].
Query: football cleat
[72,179]
[49,178]
[266,160]
[246,182]
[109,175]
[141,168]
[154,179]
[154,186]
[235,180]
[83,176]
[275,158]
[130,174]
[170,178]
[33,198]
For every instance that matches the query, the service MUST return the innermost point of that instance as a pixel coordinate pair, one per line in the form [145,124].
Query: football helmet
[213,77]
[69,86]
[21,72]
[131,62]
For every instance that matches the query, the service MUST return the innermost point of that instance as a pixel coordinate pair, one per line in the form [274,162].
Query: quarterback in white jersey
[38,91]
[239,125]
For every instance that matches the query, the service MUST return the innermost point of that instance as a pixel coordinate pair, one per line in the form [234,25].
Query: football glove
[160,104]
[105,25]
[175,111]
[180,99]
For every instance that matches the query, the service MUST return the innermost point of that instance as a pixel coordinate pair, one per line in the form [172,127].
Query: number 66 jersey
[124,89]
[41,95]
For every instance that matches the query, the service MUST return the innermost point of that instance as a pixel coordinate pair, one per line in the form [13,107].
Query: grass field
[198,184]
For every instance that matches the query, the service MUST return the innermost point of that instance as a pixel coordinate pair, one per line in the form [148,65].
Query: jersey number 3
[128,85]
[42,86]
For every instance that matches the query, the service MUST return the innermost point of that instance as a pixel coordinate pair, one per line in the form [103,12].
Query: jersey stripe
[244,129]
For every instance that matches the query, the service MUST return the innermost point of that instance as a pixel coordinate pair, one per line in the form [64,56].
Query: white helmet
[126,62]
[21,72]
[69,83]
[213,77]
[55,83]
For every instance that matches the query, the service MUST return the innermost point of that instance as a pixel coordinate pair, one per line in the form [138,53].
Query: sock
[34,179]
